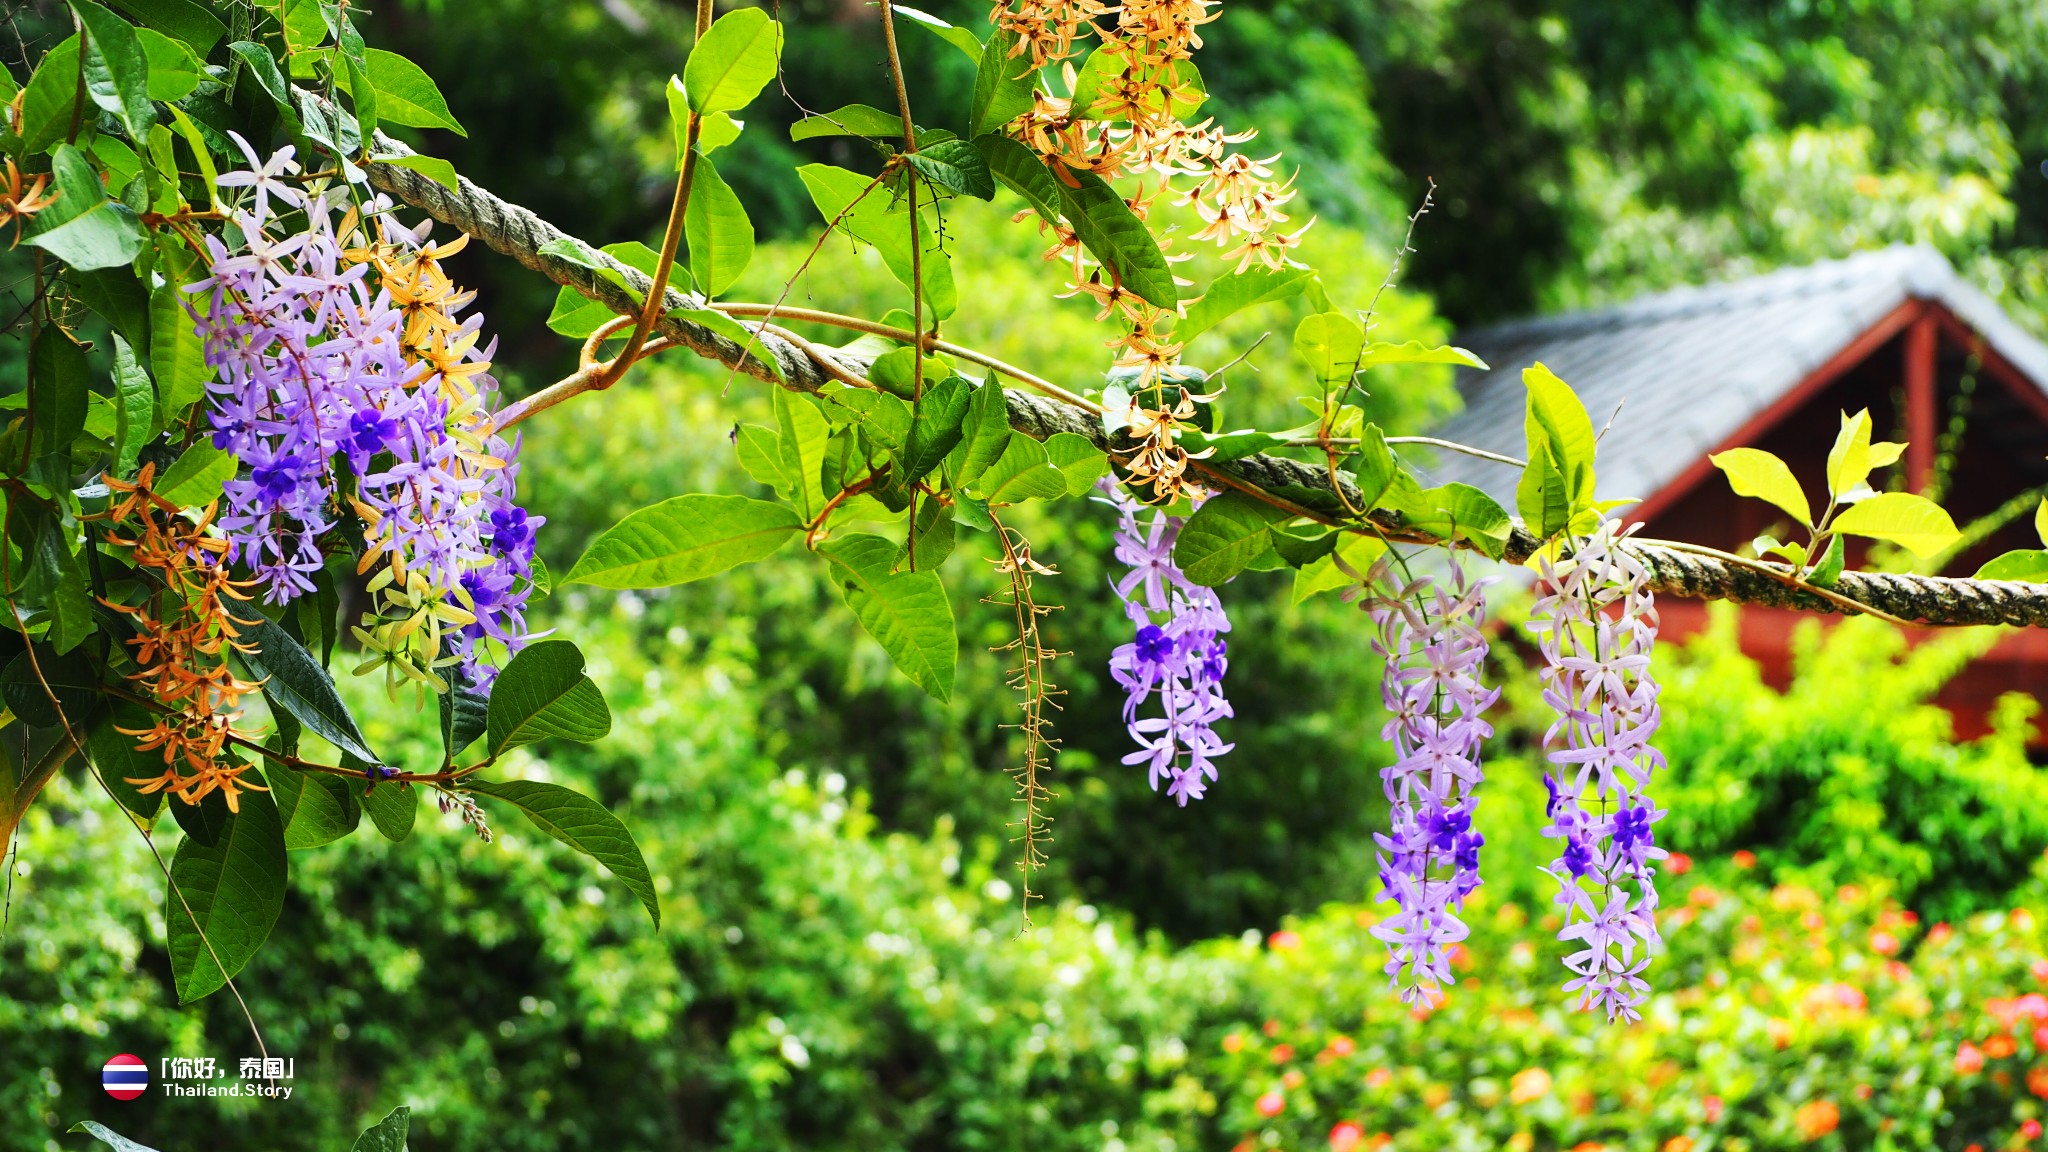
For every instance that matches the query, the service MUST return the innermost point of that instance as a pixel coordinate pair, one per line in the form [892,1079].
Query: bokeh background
[1852,958]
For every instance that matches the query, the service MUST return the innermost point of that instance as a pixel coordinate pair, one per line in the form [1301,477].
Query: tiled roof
[1695,364]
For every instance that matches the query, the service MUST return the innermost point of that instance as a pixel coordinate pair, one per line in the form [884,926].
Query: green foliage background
[840,964]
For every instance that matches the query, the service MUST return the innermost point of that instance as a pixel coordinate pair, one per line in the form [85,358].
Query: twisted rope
[517,233]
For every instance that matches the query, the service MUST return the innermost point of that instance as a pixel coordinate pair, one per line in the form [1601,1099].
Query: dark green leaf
[685,538]
[70,677]
[297,682]
[361,89]
[582,824]
[543,693]
[1023,472]
[1224,536]
[233,888]
[388,1134]
[83,227]
[118,297]
[958,37]
[392,808]
[956,166]
[907,613]
[62,391]
[1003,85]
[934,538]
[115,756]
[134,408]
[116,69]
[1022,172]
[935,426]
[261,67]
[187,20]
[315,808]
[406,94]
[465,713]
[720,236]
[177,355]
[51,103]
[1115,235]
[984,433]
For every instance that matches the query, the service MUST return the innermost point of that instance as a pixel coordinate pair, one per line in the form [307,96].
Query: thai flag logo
[124,1077]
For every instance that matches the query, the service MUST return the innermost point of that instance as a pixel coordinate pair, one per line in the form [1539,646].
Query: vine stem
[1790,580]
[916,242]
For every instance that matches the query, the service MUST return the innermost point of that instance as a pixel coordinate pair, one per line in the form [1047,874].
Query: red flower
[1713,1104]
[1282,1053]
[1744,859]
[1342,1046]
[2030,1129]
[1271,1104]
[1678,863]
[1346,1136]
[1284,940]
[1884,943]
[1234,1042]
[1969,1060]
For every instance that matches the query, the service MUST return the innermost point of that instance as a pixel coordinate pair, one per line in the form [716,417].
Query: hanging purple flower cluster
[1178,653]
[315,362]
[1430,637]
[1596,622]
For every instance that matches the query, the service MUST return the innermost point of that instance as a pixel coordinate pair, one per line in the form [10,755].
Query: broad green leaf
[733,62]
[935,427]
[118,761]
[83,228]
[956,166]
[859,206]
[1914,523]
[177,355]
[195,479]
[134,408]
[406,94]
[1558,480]
[760,454]
[187,20]
[958,37]
[578,315]
[1023,472]
[983,434]
[260,66]
[1452,511]
[1003,85]
[196,139]
[294,679]
[741,336]
[1233,292]
[1022,172]
[386,1135]
[803,432]
[543,693]
[720,236]
[1359,552]
[51,101]
[31,678]
[1330,343]
[119,298]
[1376,468]
[934,537]
[907,613]
[895,371]
[851,120]
[116,69]
[314,807]
[1116,237]
[2026,564]
[173,70]
[1828,572]
[1754,472]
[361,89]
[713,132]
[1095,97]
[1416,352]
[393,810]
[1078,459]
[1224,536]
[68,601]
[1849,459]
[109,1137]
[684,538]
[884,419]
[62,391]
[233,889]
[582,824]
[465,709]
[432,167]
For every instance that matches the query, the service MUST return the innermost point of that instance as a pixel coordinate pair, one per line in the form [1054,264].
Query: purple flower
[1177,654]
[1596,622]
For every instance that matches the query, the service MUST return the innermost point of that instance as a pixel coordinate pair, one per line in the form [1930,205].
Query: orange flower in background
[1589,1146]
[1678,1144]
[1285,940]
[1341,1046]
[1884,943]
[1528,1085]
[1294,1078]
[2030,1129]
[1969,1059]
[1744,859]
[1271,1104]
[1282,1053]
[1999,1047]
[1378,1078]
[1678,863]
[1234,1042]
[1346,1136]
[1815,1119]
[2037,1082]
[1712,1107]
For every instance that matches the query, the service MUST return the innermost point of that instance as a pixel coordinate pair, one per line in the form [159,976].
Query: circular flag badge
[124,1077]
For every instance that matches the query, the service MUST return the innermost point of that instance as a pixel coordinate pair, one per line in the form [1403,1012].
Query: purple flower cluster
[1596,622]
[312,366]
[1430,638]
[1178,653]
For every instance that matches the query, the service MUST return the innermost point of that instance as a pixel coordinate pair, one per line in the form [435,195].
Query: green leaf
[62,391]
[1914,523]
[713,132]
[851,120]
[733,62]
[195,479]
[1452,511]
[177,355]
[1828,572]
[1416,352]
[406,94]
[234,889]
[578,315]
[432,167]
[1557,483]
[32,677]
[1105,66]
[1003,85]
[744,337]
[907,613]
[1754,472]
[51,101]
[116,69]
[465,710]
[1331,344]
[361,89]
[543,693]
[860,207]
[173,70]
[760,454]
[1376,468]
[315,808]
[956,166]
[2025,564]
[958,37]
[261,67]
[388,1134]
[196,139]
[1849,459]
[83,228]
[1023,472]
[1358,552]
[186,20]
[720,236]
[134,408]
[118,760]
[1116,237]
[1224,536]
[984,434]
[1224,446]
[1233,292]
[293,679]
[582,824]
[934,536]
[936,427]
[118,297]
[1021,171]
[803,433]
[685,538]
[109,1137]
[393,809]
[1078,459]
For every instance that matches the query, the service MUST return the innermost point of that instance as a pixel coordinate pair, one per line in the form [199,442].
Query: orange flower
[1678,1144]
[1815,1119]
[1271,1104]
[1346,1136]
[1530,1084]
[2037,1082]
[1745,859]
[1969,1059]
[1999,1046]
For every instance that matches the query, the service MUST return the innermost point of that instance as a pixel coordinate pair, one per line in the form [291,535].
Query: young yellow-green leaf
[2041,520]
[803,433]
[720,236]
[543,693]
[1914,523]
[1330,343]
[173,70]
[432,167]
[578,315]
[1078,459]
[733,62]
[684,538]
[1849,460]
[582,824]
[1358,551]
[713,132]
[83,227]
[851,120]
[2025,564]
[1557,483]
[1233,292]
[1003,84]
[1755,472]
[1115,236]
[1023,472]
[1416,352]
[109,1137]
[1224,536]
[907,613]
[234,888]
[406,94]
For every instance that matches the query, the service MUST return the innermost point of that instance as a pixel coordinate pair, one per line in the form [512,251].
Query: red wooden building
[1771,362]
